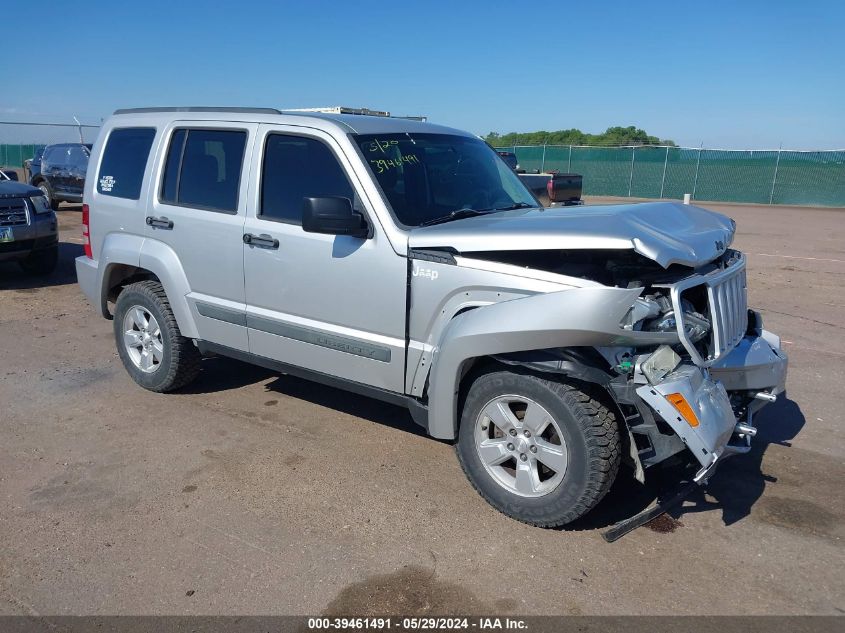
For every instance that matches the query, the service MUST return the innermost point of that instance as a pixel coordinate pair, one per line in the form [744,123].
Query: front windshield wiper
[517,205]
[457,214]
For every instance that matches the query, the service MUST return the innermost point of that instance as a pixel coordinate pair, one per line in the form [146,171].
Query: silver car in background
[406,261]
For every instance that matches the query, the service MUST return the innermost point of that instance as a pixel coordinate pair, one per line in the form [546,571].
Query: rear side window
[55,155]
[77,157]
[203,169]
[297,167]
[124,161]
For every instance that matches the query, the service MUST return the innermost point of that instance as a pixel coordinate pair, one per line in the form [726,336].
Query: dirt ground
[255,493]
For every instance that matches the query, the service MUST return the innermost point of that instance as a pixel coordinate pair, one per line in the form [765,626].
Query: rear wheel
[149,342]
[540,451]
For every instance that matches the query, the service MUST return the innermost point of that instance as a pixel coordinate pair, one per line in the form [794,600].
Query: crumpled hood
[13,189]
[666,232]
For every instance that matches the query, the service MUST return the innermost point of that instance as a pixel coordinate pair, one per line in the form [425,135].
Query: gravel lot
[256,493]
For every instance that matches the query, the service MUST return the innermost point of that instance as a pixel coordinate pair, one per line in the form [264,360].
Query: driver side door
[333,304]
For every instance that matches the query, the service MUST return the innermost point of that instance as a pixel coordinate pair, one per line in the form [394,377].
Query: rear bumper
[87,276]
[742,382]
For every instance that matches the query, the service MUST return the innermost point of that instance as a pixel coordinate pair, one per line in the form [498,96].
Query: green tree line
[616,135]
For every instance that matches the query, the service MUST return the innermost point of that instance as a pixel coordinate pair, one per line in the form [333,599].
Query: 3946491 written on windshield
[381,163]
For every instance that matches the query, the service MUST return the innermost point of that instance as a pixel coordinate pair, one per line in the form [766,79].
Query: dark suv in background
[61,174]
[29,232]
[32,166]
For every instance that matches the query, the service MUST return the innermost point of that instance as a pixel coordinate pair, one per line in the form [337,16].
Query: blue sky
[742,74]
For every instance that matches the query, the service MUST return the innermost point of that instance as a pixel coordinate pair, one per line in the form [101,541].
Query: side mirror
[11,174]
[332,215]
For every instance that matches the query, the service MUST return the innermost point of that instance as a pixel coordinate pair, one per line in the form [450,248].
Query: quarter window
[297,167]
[203,169]
[124,161]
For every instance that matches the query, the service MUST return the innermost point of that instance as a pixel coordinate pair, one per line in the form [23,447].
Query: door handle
[159,223]
[262,241]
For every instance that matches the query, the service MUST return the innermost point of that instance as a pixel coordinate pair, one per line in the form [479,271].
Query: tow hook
[765,395]
[745,429]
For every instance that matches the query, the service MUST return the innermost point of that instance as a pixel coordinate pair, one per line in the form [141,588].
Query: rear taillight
[550,189]
[86,232]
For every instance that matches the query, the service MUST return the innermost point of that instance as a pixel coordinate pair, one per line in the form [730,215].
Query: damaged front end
[701,392]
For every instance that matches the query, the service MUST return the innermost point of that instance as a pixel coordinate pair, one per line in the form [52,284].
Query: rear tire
[149,342]
[518,422]
[41,262]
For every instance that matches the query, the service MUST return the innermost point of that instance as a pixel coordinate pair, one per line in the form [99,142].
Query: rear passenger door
[334,304]
[197,214]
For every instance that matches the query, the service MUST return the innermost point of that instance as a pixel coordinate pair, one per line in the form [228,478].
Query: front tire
[541,451]
[149,342]
[47,190]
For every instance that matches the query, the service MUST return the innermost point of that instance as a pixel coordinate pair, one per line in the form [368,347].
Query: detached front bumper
[701,406]
[756,366]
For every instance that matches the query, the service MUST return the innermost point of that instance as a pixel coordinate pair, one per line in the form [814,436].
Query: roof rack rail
[340,110]
[199,109]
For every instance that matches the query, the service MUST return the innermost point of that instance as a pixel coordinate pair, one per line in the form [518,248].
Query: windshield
[426,177]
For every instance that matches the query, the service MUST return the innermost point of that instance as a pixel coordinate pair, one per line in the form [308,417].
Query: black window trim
[199,207]
[103,156]
[298,134]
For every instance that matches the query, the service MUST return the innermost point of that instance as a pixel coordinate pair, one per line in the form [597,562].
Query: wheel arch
[130,258]
[583,367]
[528,332]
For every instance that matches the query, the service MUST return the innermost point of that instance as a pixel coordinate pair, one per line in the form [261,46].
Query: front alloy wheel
[521,445]
[541,450]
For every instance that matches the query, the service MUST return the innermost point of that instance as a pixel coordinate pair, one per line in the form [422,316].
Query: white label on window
[106,183]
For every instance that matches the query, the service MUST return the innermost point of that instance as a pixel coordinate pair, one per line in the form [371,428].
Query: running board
[629,525]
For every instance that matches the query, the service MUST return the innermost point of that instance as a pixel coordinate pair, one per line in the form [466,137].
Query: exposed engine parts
[655,313]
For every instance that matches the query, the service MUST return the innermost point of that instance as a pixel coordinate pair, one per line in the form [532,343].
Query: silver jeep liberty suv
[406,261]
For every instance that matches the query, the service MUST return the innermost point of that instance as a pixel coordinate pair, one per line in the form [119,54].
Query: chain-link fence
[13,155]
[36,136]
[762,176]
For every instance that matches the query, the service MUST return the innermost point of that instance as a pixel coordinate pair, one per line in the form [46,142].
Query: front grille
[13,212]
[724,290]
[728,313]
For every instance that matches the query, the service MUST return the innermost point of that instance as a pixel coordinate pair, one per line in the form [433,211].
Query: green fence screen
[768,177]
[13,155]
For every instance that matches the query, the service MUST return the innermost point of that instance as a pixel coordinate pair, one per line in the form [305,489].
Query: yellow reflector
[683,407]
